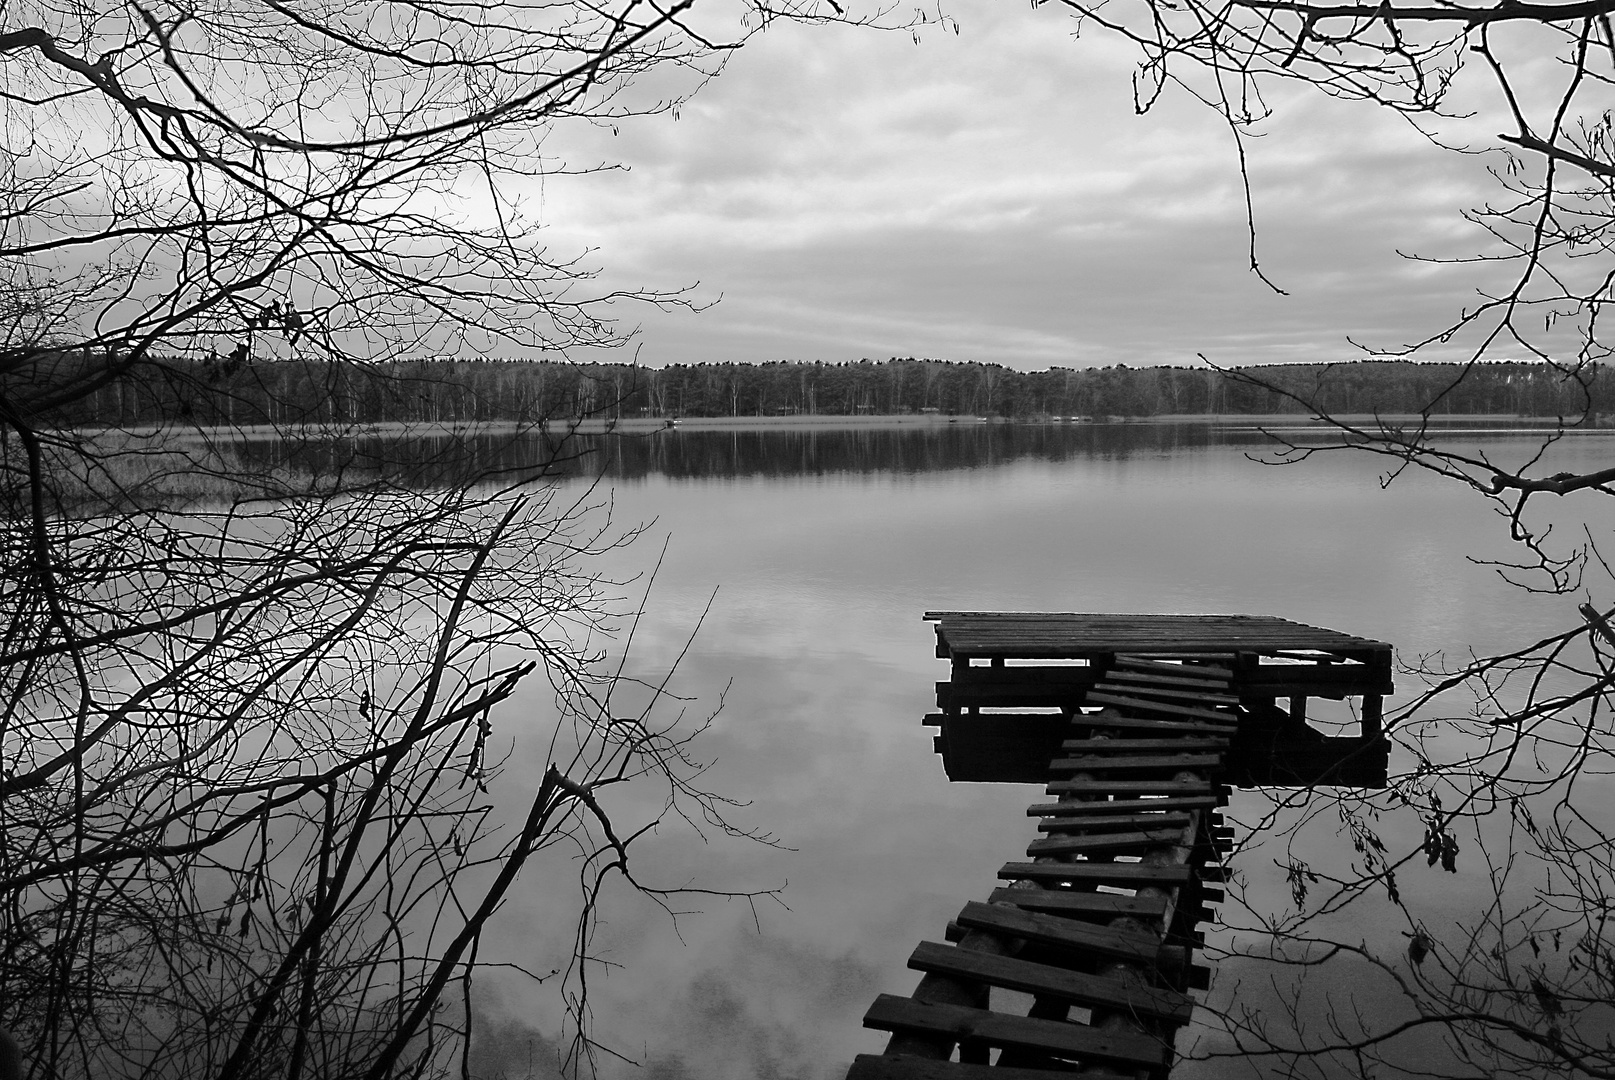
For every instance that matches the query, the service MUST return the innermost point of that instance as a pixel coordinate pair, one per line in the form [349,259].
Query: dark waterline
[443,460]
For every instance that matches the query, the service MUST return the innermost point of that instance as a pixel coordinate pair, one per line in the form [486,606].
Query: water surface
[820,551]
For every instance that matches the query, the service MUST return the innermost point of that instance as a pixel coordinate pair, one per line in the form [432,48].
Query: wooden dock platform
[1019,679]
[1138,726]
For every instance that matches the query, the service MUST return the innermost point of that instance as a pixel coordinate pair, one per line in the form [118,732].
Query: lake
[818,552]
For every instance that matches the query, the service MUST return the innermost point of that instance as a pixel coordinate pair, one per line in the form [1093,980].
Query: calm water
[823,552]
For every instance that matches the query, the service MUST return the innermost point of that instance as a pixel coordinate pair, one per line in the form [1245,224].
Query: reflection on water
[435,460]
[824,549]
[808,452]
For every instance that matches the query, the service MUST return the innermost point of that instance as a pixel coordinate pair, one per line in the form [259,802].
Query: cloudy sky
[991,195]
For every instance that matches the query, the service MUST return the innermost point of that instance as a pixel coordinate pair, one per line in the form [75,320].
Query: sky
[991,195]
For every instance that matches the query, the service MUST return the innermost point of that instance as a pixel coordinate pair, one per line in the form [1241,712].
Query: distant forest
[473,391]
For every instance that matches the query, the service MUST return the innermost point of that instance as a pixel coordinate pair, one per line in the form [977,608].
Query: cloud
[992,196]
[752,1010]
[504,1047]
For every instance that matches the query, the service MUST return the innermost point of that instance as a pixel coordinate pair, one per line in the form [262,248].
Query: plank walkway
[1098,925]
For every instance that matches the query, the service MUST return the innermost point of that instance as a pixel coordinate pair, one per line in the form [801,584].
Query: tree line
[461,391]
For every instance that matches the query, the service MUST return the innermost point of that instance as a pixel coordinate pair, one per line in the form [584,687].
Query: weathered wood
[943,990]
[1115,806]
[1103,746]
[1221,657]
[1202,672]
[1126,875]
[903,1067]
[1073,986]
[1187,696]
[1162,708]
[999,719]
[1158,677]
[1054,675]
[1373,720]
[1088,845]
[1060,634]
[1090,762]
[977,749]
[1106,686]
[1066,933]
[1100,823]
[1072,902]
[1143,724]
[1128,787]
[891,1013]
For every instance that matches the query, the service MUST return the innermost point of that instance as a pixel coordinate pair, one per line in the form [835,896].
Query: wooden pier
[1139,726]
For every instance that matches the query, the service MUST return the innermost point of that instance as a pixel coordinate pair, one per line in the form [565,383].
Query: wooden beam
[1072,902]
[1067,933]
[1089,845]
[892,1013]
[1116,806]
[1125,875]
[1074,986]
[903,1067]
[1166,760]
[1129,787]
[1121,823]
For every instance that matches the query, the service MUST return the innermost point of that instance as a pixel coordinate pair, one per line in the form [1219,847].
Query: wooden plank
[1119,841]
[1202,640]
[1105,686]
[1143,947]
[1160,626]
[1071,902]
[1050,675]
[1099,823]
[1110,719]
[905,1067]
[1161,708]
[1128,787]
[1126,875]
[1204,672]
[1116,806]
[1139,761]
[891,1013]
[1157,678]
[1010,721]
[1148,627]
[1057,982]
[1212,649]
[1119,746]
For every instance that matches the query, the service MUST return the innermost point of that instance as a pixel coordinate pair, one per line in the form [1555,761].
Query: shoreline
[640,425]
[761,423]
[831,422]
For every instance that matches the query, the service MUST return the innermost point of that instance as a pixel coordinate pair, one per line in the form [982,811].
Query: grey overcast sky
[991,195]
